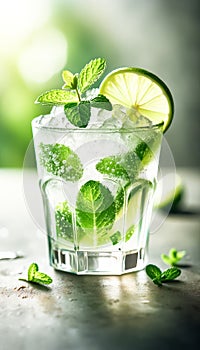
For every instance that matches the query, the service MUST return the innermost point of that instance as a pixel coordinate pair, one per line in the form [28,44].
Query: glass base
[93,262]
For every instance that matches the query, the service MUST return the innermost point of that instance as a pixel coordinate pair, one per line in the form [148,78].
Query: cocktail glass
[97,186]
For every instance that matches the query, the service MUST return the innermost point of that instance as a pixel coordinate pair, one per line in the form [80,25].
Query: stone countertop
[95,312]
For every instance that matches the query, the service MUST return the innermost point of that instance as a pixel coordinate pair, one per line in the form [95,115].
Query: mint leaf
[159,277]
[64,225]
[33,268]
[119,200]
[68,78]
[112,166]
[78,114]
[129,232]
[144,152]
[61,161]
[90,73]
[173,256]
[102,102]
[57,97]
[170,274]
[95,207]
[34,275]
[116,237]
[41,278]
[154,273]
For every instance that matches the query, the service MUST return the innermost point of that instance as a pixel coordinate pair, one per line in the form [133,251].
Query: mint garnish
[95,208]
[91,73]
[158,277]
[34,275]
[61,161]
[57,97]
[173,257]
[77,104]
[78,113]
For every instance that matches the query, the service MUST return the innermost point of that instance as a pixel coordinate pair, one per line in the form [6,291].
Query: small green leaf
[112,166]
[119,200]
[154,273]
[33,268]
[116,237]
[144,152]
[34,275]
[68,78]
[64,225]
[181,254]
[95,207]
[170,274]
[129,232]
[90,73]
[102,102]
[57,97]
[61,161]
[78,114]
[41,278]
[173,256]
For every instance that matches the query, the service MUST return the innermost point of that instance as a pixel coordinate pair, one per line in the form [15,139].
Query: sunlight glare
[45,56]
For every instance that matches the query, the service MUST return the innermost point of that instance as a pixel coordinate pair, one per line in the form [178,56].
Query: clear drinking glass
[97,187]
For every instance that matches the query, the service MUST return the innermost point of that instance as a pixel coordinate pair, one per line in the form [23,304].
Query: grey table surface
[95,312]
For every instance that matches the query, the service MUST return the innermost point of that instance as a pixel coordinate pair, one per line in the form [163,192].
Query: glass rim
[93,129]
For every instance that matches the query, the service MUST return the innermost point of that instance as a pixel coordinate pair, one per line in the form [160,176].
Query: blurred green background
[40,38]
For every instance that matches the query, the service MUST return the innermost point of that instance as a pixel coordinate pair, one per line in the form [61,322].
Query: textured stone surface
[96,312]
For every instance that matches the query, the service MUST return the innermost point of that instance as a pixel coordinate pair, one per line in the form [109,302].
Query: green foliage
[61,161]
[77,107]
[158,277]
[91,73]
[173,256]
[57,97]
[95,207]
[78,113]
[35,276]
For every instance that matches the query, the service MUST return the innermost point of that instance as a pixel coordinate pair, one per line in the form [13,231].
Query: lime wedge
[169,192]
[139,89]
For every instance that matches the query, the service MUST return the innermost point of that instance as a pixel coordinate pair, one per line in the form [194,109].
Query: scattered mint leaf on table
[158,277]
[173,256]
[154,273]
[170,274]
[35,276]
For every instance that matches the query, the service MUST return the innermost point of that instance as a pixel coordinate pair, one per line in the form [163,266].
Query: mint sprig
[158,277]
[173,256]
[35,276]
[77,104]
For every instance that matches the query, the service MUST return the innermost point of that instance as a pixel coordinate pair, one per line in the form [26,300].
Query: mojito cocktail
[97,161]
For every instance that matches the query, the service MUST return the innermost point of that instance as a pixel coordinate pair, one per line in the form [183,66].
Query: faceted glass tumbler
[97,187]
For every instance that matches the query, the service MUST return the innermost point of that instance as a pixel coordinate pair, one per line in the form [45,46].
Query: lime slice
[139,89]
[169,192]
